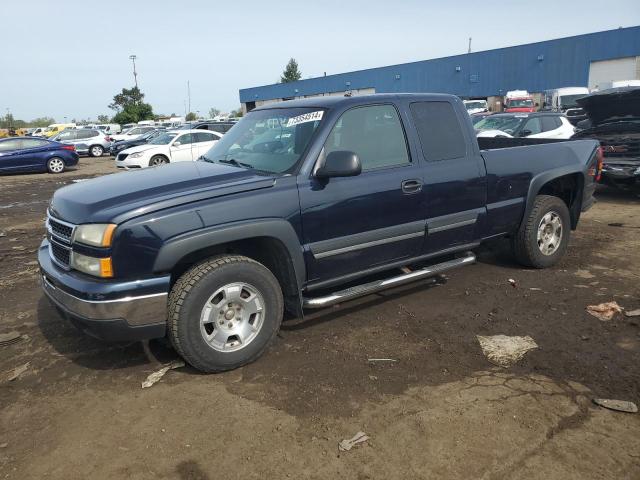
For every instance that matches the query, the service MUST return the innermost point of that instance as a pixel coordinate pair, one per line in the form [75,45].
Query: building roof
[534,67]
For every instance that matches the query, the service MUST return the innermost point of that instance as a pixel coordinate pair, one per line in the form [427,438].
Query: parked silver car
[88,141]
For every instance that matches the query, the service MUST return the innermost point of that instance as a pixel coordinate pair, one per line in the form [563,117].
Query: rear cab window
[439,130]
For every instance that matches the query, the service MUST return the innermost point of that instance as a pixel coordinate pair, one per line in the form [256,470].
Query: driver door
[182,148]
[351,224]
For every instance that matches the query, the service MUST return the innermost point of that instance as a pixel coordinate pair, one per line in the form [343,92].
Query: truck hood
[121,196]
[612,105]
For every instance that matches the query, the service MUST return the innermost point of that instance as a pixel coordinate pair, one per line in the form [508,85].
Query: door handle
[411,186]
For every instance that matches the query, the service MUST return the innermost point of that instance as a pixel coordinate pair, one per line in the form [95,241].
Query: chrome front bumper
[136,311]
[115,311]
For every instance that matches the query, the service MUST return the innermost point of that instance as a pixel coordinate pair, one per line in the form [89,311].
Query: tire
[96,150]
[158,160]
[231,335]
[530,249]
[55,165]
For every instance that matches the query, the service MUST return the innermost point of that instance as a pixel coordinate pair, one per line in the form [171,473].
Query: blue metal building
[570,61]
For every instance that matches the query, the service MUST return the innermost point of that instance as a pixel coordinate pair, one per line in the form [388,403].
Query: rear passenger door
[202,142]
[351,224]
[453,175]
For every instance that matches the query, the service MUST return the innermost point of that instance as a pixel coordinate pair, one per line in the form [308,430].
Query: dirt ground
[440,410]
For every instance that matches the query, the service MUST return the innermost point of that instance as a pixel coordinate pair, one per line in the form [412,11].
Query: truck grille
[60,235]
[61,230]
[60,253]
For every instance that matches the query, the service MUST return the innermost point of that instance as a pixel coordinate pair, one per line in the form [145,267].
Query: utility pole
[135,74]
[189,95]
[469,51]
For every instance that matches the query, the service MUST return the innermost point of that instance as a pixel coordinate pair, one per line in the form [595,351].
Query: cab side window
[374,133]
[439,130]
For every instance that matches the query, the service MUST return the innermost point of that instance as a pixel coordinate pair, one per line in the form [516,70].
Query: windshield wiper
[234,162]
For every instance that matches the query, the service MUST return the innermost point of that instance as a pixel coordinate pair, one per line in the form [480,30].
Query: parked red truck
[519,101]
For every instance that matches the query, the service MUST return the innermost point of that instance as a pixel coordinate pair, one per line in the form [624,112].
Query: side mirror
[341,163]
[525,133]
[176,144]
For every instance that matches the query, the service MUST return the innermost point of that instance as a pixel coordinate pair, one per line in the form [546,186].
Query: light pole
[135,74]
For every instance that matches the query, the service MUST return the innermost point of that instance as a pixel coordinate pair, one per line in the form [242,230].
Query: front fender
[182,245]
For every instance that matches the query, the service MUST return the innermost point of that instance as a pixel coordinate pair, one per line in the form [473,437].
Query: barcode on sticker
[307,117]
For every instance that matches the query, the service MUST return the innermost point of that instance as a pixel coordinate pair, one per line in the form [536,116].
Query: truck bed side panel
[516,175]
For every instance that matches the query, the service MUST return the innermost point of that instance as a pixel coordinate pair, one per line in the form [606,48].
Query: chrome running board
[377,285]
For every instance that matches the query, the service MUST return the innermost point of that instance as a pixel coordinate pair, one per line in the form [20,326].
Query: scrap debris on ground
[618,405]
[155,377]
[504,351]
[346,445]
[604,311]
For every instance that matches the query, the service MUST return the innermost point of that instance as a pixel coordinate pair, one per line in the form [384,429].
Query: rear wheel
[224,312]
[158,160]
[55,165]
[96,151]
[543,236]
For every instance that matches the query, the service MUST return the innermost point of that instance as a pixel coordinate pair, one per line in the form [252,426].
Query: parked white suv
[530,125]
[172,146]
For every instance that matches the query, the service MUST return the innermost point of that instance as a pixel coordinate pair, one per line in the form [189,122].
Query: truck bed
[516,166]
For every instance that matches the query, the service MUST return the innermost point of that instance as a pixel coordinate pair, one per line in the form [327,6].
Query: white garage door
[627,68]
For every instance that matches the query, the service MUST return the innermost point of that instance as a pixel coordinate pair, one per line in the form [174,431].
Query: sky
[68,58]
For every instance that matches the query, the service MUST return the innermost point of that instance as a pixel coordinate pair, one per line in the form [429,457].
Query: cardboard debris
[17,372]
[504,351]
[604,311]
[156,376]
[618,405]
[346,445]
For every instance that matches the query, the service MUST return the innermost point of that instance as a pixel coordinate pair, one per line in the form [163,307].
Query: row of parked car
[137,147]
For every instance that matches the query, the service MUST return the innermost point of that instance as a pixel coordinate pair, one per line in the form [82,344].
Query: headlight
[135,155]
[95,234]
[98,267]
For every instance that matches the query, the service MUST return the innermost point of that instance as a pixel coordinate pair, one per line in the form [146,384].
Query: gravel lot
[441,410]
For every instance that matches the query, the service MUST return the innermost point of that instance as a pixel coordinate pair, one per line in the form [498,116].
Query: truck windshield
[268,140]
[520,103]
[569,101]
[474,105]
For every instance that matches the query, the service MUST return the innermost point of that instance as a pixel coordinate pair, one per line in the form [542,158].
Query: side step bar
[377,285]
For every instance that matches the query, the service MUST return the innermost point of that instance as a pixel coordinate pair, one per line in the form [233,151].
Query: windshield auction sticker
[307,117]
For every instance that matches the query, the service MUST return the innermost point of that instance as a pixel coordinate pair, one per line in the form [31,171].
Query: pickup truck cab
[303,204]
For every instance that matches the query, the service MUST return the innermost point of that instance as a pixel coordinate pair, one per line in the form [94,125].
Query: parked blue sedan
[28,154]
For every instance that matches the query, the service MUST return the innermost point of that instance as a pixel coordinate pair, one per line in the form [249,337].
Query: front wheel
[96,151]
[224,313]
[158,160]
[55,165]
[543,236]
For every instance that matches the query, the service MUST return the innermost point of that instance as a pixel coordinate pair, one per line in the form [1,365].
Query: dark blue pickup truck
[303,204]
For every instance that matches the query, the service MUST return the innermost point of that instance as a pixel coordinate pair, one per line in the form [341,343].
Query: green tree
[291,72]
[42,122]
[213,112]
[130,106]
[8,121]
[190,117]
[103,119]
